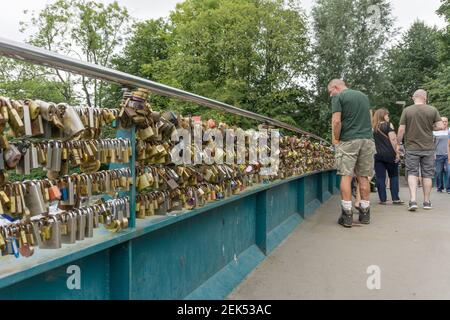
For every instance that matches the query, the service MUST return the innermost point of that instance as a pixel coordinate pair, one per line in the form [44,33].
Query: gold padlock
[34,108]
[46,232]
[143,182]
[108,116]
[4,197]
[16,122]
[4,111]
[4,143]
[146,133]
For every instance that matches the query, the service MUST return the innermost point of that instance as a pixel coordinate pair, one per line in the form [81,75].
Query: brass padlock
[12,156]
[73,126]
[146,133]
[16,122]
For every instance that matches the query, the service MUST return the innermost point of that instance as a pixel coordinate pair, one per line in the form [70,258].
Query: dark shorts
[420,163]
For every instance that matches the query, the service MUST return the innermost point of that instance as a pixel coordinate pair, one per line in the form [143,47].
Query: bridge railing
[200,254]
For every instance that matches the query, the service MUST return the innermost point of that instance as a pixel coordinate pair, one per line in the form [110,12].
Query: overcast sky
[406,11]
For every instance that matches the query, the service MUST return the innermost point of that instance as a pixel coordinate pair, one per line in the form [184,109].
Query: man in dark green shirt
[353,139]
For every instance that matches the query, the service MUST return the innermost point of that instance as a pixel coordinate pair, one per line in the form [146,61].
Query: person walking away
[441,142]
[387,156]
[417,123]
[355,148]
[388,182]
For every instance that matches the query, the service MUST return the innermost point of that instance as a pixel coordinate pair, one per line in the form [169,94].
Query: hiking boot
[346,218]
[364,215]
[427,205]
[412,206]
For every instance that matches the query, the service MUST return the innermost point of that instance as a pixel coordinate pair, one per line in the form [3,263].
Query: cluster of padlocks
[173,170]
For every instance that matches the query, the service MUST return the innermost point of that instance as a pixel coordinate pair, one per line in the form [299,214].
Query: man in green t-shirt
[355,148]
[417,124]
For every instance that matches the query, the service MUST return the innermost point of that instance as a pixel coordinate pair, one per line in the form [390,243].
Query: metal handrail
[36,55]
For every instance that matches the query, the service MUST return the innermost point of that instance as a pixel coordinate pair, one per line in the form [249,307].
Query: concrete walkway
[322,260]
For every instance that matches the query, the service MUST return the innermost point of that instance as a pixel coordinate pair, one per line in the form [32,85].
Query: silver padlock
[50,147]
[34,200]
[55,240]
[27,120]
[81,224]
[73,126]
[71,222]
[89,223]
[56,157]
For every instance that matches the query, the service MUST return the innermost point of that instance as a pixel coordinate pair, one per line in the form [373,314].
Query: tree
[83,29]
[148,44]
[444,11]
[248,53]
[439,86]
[144,51]
[20,80]
[408,65]
[350,37]
[439,90]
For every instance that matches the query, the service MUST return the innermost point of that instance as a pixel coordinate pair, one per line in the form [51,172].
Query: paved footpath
[321,260]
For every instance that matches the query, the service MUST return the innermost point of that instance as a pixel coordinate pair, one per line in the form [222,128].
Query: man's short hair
[421,94]
[336,83]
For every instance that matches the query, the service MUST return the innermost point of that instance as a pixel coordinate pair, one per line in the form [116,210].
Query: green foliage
[439,86]
[444,11]
[20,80]
[439,91]
[35,174]
[408,65]
[148,44]
[245,53]
[255,54]
[348,45]
[85,29]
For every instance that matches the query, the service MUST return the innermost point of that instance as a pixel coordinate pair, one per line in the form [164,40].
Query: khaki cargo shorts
[355,157]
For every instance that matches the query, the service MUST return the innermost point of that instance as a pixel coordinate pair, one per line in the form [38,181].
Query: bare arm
[437,126]
[336,126]
[401,133]
[393,140]
[448,151]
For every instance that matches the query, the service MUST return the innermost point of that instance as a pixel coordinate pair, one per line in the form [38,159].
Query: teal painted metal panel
[52,285]
[121,267]
[311,187]
[223,282]
[261,221]
[172,262]
[301,197]
[201,254]
[278,234]
[324,192]
[281,204]
[338,182]
[332,182]
[322,188]
[311,207]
